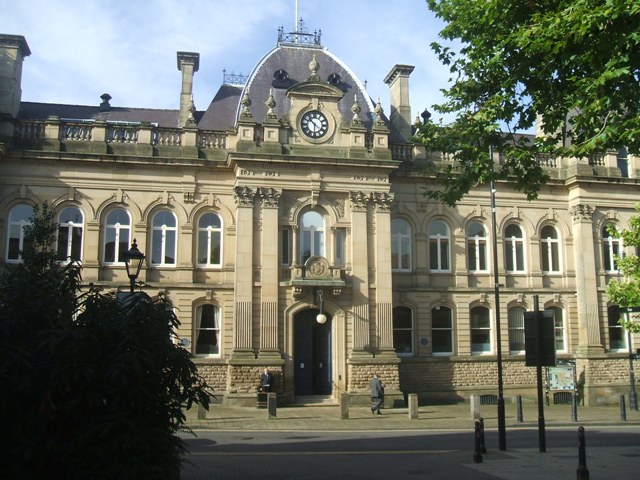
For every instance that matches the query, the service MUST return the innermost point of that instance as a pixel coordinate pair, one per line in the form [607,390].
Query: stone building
[288,226]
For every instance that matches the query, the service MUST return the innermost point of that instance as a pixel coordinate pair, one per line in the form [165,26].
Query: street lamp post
[133,260]
[633,396]
[502,435]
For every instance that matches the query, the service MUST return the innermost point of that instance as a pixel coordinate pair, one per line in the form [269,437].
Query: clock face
[314,124]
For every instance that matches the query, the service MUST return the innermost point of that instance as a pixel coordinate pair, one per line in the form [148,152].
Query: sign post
[540,350]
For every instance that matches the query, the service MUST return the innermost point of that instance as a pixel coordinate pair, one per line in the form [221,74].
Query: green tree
[513,62]
[626,292]
[95,383]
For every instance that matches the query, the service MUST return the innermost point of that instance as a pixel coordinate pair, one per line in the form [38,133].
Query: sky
[81,49]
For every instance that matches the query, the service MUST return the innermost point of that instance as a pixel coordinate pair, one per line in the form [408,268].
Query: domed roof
[286,65]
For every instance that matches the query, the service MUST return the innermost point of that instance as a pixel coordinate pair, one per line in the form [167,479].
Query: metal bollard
[477,456]
[623,409]
[582,471]
[483,448]
[519,416]
[574,407]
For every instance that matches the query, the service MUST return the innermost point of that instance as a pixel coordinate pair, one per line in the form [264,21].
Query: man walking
[377,394]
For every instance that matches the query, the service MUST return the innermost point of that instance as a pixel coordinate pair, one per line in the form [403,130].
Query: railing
[167,137]
[547,161]
[122,134]
[596,160]
[76,132]
[29,132]
[208,139]
[402,151]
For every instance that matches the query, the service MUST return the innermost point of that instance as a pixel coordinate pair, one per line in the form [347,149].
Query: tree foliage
[94,386]
[513,62]
[626,292]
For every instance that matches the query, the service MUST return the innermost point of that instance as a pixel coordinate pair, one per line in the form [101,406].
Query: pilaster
[243,331]
[589,341]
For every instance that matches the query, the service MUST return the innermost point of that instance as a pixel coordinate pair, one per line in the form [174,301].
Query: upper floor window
[550,249]
[439,254]
[339,240]
[19,217]
[617,337]
[611,248]
[207,330]
[480,330]
[163,238]
[516,330]
[514,249]
[558,322]
[117,235]
[311,235]
[400,245]
[403,330]
[209,240]
[70,229]
[477,247]
[285,246]
[441,331]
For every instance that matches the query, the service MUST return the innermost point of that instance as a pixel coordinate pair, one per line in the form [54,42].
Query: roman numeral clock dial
[314,124]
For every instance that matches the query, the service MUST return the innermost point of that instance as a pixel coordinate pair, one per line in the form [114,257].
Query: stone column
[269,199]
[586,285]
[360,273]
[384,295]
[243,332]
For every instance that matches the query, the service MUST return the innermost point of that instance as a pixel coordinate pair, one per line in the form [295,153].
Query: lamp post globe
[133,260]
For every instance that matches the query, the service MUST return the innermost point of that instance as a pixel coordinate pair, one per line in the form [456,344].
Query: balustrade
[76,132]
[212,140]
[167,136]
[122,134]
[29,132]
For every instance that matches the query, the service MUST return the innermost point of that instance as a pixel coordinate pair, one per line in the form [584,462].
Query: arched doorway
[312,354]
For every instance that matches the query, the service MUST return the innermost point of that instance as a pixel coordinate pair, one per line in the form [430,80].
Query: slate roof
[40,111]
[224,109]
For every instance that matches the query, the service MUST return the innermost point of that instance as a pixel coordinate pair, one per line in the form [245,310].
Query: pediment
[314,88]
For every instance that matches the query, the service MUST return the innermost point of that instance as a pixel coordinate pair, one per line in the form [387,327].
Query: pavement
[622,462]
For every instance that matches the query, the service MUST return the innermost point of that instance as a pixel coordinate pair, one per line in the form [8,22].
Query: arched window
[117,235]
[442,331]
[311,235]
[550,249]
[617,337]
[403,330]
[209,240]
[477,247]
[70,230]
[480,330]
[439,241]
[516,330]
[611,248]
[207,330]
[558,321]
[163,238]
[514,249]
[400,245]
[19,217]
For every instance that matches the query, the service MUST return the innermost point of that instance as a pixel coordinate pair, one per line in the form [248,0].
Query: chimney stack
[13,50]
[400,116]
[188,64]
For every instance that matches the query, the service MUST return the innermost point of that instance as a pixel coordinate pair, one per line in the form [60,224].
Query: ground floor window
[207,330]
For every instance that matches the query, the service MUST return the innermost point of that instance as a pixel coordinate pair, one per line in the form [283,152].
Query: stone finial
[313,65]
[191,119]
[270,103]
[246,103]
[356,111]
[378,111]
